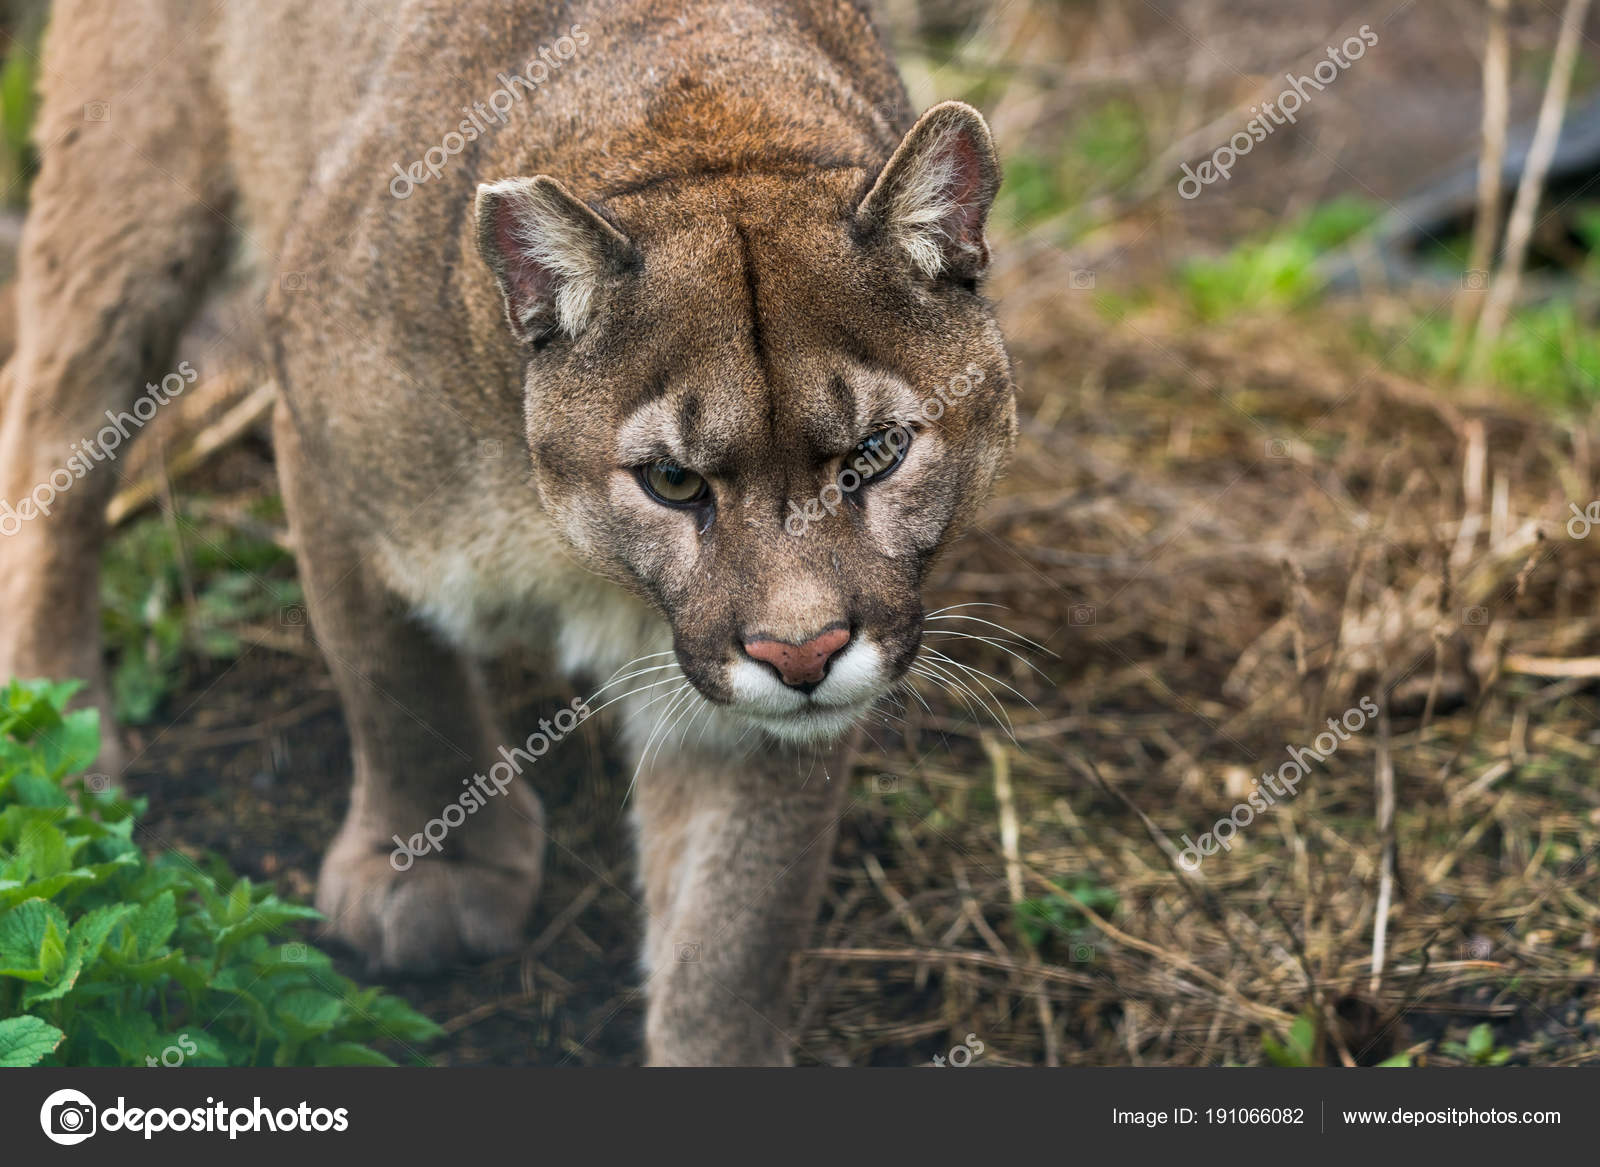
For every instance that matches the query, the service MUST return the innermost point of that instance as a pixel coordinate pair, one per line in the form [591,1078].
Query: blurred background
[1309,438]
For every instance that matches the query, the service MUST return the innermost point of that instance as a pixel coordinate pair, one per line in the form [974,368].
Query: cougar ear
[549,252]
[933,197]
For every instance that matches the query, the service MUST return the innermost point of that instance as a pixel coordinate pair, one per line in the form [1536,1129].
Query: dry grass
[1223,537]
[1210,602]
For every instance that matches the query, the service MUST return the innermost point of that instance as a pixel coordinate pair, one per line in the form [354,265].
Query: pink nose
[800,664]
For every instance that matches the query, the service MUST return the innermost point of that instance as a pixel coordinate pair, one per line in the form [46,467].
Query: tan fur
[699,238]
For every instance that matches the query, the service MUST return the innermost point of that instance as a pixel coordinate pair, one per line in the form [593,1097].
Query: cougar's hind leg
[127,222]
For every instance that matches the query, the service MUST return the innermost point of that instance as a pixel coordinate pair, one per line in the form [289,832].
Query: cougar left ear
[550,253]
[933,197]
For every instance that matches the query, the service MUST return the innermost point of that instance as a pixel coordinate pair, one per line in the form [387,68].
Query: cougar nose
[802,666]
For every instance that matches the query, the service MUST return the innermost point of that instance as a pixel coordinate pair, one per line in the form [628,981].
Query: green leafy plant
[1054,917]
[1278,271]
[1298,1049]
[18,102]
[110,958]
[171,590]
[1479,1049]
[1547,352]
[1299,1046]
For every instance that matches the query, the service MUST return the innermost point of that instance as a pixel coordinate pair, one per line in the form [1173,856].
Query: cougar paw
[434,913]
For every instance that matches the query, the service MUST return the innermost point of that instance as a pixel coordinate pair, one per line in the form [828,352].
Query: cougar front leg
[461,878]
[733,855]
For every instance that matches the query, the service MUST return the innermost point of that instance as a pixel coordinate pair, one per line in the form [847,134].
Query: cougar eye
[879,454]
[676,486]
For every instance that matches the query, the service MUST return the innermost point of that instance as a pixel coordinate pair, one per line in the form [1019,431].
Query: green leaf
[42,849]
[83,949]
[308,1012]
[71,746]
[270,915]
[154,925]
[1480,1042]
[394,1018]
[134,1036]
[25,1040]
[1298,1049]
[30,936]
[347,1053]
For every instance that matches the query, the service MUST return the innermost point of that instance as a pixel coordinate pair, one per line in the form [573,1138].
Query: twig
[1547,132]
[1010,832]
[1385,791]
[1491,161]
[1585,667]
[216,436]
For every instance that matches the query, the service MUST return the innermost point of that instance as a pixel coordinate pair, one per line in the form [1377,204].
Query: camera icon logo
[1081,953]
[885,783]
[68,1117]
[1280,449]
[1081,280]
[1475,617]
[97,111]
[688,953]
[292,616]
[491,448]
[1475,280]
[1082,615]
[294,281]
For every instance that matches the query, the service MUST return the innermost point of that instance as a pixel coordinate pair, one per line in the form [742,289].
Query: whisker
[1001,719]
[636,690]
[688,707]
[991,641]
[966,668]
[1008,631]
[616,680]
[973,604]
[675,697]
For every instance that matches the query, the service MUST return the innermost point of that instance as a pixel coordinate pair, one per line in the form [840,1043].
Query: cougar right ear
[934,194]
[549,252]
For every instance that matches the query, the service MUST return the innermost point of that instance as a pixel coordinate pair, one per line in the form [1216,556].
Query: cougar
[647,332]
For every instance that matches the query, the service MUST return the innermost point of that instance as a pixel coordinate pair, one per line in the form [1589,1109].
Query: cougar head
[765,403]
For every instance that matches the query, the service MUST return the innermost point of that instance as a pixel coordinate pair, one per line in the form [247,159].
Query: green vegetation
[1054,918]
[172,590]
[1277,271]
[1103,151]
[1479,1049]
[109,958]
[18,99]
[1298,1049]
